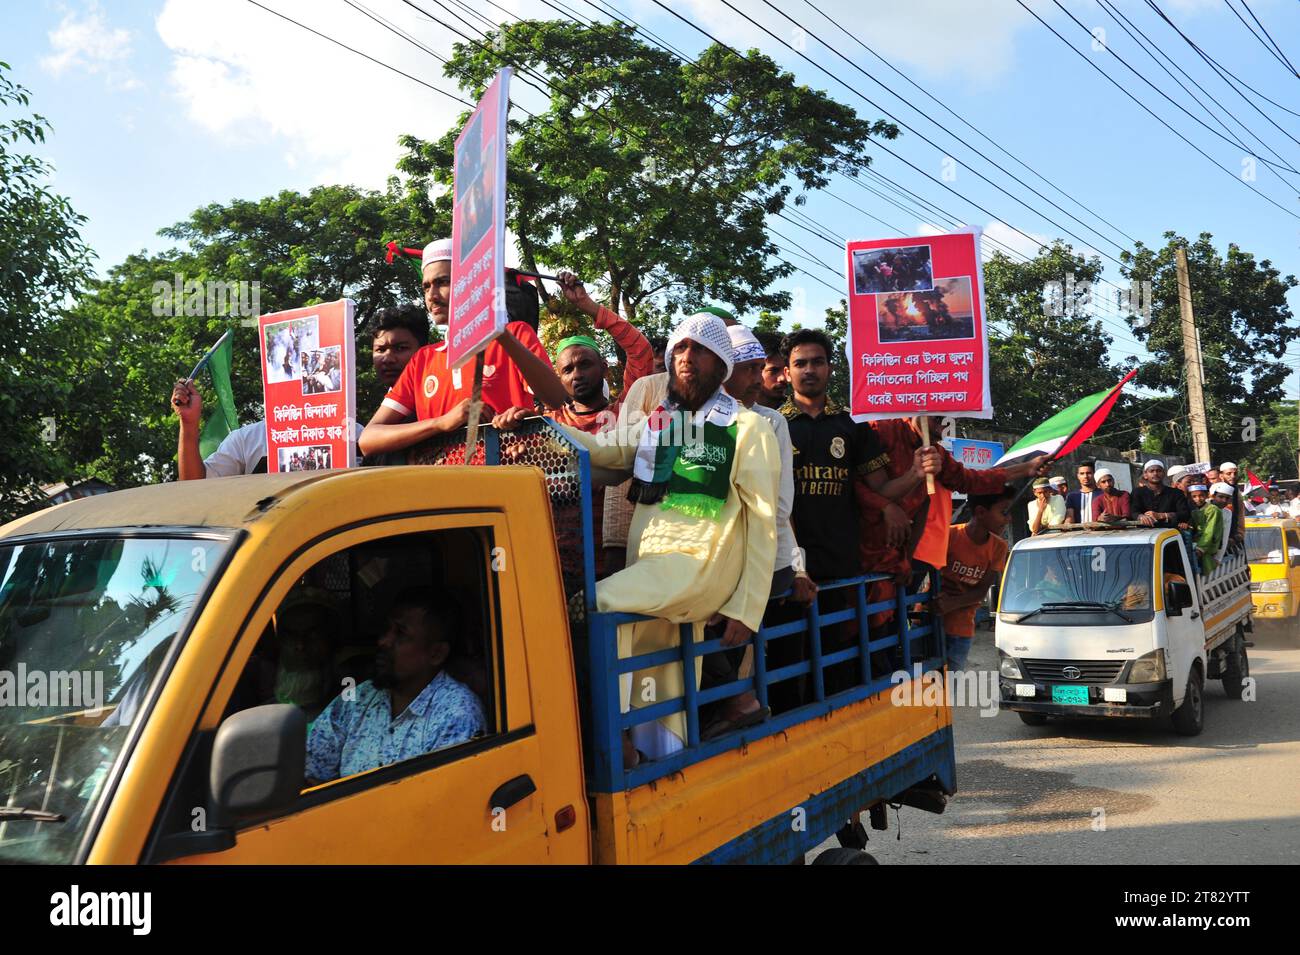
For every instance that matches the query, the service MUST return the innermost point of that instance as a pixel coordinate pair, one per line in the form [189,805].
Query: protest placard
[309,384]
[477,311]
[917,341]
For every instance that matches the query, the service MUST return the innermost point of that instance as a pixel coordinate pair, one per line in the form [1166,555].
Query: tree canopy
[43,263]
[649,171]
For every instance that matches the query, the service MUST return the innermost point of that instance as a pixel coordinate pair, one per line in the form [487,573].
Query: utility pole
[1192,358]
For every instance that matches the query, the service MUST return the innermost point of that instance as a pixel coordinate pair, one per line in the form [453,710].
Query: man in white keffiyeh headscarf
[702,542]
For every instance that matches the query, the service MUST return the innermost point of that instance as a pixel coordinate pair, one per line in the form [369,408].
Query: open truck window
[86,627]
[331,645]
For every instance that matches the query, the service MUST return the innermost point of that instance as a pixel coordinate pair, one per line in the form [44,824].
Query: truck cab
[1114,621]
[198,633]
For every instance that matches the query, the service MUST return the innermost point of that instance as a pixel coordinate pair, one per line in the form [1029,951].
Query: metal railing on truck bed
[566,466]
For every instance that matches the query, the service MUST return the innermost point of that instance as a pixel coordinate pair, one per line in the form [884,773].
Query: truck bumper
[1143,700]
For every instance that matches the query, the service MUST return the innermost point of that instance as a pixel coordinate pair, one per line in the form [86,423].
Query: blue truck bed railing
[567,468]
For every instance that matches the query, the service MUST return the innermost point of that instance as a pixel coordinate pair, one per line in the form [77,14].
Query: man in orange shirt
[977,553]
[515,367]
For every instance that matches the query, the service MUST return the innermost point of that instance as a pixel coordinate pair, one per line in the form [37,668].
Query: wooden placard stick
[925,439]
[475,410]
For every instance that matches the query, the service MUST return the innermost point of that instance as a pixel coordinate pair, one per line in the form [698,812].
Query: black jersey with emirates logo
[830,451]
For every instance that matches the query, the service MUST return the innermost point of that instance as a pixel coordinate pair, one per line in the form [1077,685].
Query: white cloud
[86,42]
[933,37]
[244,74]
[998,237]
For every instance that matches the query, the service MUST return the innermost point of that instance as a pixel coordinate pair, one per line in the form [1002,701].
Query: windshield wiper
[1066,606]
[36,815]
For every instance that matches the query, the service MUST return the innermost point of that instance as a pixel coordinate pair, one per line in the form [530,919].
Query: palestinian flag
[1063,432]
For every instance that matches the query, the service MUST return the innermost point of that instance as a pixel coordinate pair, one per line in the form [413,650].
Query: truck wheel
[1189,719]
[1234,680]
[845,857]
[1032,719]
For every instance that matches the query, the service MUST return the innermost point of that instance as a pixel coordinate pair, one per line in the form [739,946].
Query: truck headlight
[1008,667]
[1272,587]
[1148,668]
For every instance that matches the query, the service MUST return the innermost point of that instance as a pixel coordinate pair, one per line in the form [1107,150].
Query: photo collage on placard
[475,180]
[315,457]
[911,304]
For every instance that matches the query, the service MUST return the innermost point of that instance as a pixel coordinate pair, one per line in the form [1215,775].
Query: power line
[1222,71]
[1153,114]
[1274,50]
[366,56]
[1231,142]
[912,129]
[1151,49]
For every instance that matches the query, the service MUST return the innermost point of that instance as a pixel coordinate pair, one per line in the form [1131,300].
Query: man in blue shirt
[412,706]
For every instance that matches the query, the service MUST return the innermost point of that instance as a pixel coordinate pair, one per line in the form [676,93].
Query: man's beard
[692,396]
[592,395]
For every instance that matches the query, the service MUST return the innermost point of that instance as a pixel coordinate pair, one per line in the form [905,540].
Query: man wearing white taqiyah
[702,543]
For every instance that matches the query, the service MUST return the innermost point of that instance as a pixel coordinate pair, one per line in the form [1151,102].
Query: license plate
[1070,695]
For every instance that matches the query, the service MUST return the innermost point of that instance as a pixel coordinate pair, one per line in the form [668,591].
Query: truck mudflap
[1144,701]
[786,837]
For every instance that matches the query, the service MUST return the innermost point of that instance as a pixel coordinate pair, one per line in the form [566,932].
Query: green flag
[223,418]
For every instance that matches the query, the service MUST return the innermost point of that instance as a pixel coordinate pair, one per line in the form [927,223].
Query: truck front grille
[1094,672]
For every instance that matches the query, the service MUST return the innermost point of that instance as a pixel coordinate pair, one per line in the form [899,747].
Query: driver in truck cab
[410,707]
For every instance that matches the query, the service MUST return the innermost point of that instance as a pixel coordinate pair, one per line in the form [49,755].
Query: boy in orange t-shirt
[976,553]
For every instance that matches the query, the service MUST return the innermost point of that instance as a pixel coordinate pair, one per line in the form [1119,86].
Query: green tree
[1274,451]
[1040,362]
[43,262]
[633,175]
[302,249]
[1245,326]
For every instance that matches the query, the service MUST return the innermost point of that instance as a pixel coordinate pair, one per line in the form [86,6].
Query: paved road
[1041,795]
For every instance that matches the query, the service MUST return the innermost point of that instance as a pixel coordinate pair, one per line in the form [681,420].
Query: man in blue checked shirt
[412,706]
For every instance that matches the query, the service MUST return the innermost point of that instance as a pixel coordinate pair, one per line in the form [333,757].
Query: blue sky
[160,107]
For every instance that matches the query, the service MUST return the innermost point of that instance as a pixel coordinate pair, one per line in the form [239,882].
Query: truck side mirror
[259,759]
[1177,596]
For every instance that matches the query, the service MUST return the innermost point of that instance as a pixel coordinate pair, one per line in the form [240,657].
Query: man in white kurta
[683,568]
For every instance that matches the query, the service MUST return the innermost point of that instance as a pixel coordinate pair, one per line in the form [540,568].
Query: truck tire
[841,856]
[1032,719]
[1189,719]
[1234,680]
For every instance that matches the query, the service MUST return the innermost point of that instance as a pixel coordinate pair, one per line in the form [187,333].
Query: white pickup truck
[1113,621]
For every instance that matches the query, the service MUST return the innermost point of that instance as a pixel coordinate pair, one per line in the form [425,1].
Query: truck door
[1185,633]
[498,796]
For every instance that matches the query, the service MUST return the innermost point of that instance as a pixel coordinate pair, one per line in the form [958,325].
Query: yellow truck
[1273,549]
[164,650]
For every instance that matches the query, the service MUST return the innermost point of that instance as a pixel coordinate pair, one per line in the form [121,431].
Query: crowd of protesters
[735,492]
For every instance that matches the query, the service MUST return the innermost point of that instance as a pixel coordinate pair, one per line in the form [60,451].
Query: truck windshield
[1106,583]
[85,625]
[1264,545]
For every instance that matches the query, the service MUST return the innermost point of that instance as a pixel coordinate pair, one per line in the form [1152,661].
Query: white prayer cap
[439,250]
[1154,463]
[1175,472]
[705,328]
[1198,487]
[1227,466]
[745,347]
[1103,473]
[1057,480]
[1221,487]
